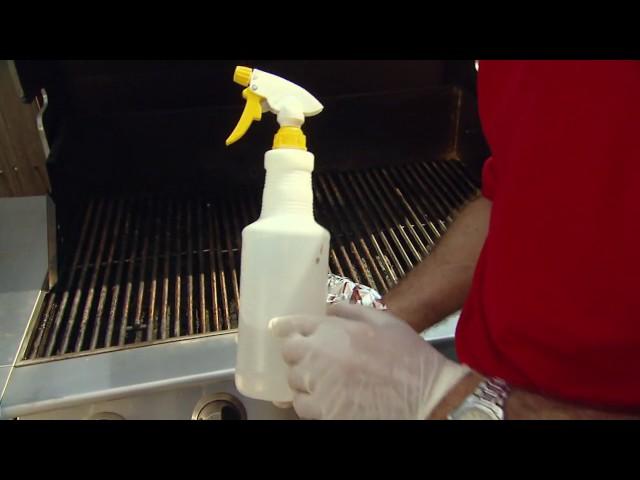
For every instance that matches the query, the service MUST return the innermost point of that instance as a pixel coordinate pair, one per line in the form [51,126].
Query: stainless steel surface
[81,386]
[93,378]
[4,376]
[106,416]
[444,330]
[177,404]
[24,248]
[220,406]
[42,108]
[25,257]
[158,382]
[52,248]
[16,311]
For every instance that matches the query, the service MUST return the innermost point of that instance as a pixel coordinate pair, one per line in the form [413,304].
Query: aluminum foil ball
[342,289]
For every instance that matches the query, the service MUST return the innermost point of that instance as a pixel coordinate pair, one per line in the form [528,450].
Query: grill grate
[150,269]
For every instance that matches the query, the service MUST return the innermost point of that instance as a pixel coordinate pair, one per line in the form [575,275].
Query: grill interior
[149,268]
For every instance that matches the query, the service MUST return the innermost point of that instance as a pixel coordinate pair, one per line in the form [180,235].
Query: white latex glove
[361,363]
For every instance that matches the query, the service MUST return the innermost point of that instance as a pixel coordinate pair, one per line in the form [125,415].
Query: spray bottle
[284,262]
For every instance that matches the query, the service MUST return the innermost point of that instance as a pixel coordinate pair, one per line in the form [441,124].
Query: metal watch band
[489,397]
[494,390]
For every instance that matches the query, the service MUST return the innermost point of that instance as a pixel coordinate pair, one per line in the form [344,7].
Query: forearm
[439,285]
[523,405]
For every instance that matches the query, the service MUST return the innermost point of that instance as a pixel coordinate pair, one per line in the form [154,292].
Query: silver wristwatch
[486,403]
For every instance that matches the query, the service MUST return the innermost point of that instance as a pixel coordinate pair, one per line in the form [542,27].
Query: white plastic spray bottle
[285,253]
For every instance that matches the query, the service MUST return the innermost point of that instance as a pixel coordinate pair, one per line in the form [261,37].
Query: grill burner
[152,268]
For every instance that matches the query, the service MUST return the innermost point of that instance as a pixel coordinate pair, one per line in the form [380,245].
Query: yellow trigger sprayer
[269,93]
[285,253]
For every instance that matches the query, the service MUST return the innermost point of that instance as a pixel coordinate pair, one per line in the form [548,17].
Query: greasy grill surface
[155,268]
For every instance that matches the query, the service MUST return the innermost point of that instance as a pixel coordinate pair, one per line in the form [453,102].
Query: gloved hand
[361,363]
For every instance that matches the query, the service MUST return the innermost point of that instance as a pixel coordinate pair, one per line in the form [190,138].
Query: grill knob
[219,407]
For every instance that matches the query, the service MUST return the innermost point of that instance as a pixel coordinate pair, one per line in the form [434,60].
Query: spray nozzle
[266,92]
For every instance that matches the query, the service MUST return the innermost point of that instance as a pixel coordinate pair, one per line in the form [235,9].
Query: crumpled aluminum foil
[342,289]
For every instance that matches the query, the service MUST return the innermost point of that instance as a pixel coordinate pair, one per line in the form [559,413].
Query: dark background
[162,124]
[159,126]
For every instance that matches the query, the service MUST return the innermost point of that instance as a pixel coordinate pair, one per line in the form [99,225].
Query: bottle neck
[288,189]
[290,137]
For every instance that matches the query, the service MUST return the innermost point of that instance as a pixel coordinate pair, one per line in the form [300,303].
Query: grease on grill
[153,268]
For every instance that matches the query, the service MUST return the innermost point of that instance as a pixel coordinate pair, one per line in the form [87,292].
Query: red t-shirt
[555,301]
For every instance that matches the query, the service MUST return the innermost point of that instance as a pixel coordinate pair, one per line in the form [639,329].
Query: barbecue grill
[149,208]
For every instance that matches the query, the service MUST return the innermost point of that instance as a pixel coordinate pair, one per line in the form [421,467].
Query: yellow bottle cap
[242,76]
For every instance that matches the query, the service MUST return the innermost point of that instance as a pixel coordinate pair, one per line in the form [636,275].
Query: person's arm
[523,405]
[356,362]
[438,286]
